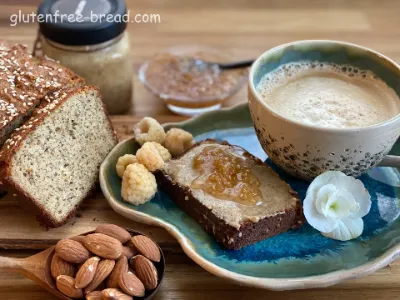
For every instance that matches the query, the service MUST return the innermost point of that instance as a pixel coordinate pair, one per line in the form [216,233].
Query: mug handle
[390,161]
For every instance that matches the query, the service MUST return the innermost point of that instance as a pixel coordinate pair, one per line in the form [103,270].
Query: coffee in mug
[328,95]
[322,105]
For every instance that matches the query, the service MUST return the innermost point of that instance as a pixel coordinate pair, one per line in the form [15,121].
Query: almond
[72,251]
[131,285]
[78,238]
[66,285]
[86,272]
[114,294]
[146,247]
[145,271]
[103,245]
[104,269]
[96,295]
[128,251]
[61,267]
[121,267]
[114,231]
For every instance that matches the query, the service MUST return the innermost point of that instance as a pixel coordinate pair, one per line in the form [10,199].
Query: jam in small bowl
[188,85]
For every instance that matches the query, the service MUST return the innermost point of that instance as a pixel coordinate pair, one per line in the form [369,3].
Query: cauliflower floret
[150,157]
[178,141]
[149,130]
[123,162]
[138,184]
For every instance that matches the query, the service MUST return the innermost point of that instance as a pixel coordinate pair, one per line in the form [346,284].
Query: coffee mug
[306,151]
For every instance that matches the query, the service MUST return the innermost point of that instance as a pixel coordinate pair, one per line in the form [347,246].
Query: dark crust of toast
[7,153]
[227,235]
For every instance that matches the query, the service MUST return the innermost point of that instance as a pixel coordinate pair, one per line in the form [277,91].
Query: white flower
[335,204]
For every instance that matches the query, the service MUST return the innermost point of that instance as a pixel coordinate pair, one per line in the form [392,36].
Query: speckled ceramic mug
[306,151]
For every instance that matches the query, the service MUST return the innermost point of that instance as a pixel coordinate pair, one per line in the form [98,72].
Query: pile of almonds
[108,264]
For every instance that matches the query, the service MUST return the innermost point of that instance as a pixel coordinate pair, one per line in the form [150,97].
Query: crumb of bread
[54,157]
[150,157]
[138,184]
[149,130]
[178,141]
[123,162]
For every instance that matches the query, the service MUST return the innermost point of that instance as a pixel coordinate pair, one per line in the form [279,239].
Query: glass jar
[97,51]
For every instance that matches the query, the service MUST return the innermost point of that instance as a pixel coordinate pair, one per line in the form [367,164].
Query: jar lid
[82,22]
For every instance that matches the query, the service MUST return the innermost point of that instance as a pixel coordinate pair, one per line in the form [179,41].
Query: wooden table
[246,29]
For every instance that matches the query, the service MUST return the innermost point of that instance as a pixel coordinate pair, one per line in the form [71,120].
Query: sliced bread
[53,159]
[234,224]
[24,83]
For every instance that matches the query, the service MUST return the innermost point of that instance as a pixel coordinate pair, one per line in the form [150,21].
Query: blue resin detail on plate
[296,253]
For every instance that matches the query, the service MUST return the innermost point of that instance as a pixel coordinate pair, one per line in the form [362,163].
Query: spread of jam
[224,174]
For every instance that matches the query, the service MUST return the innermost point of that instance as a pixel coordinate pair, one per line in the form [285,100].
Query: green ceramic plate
[296,259]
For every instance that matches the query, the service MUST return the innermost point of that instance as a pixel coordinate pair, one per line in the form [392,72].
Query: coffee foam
[328,95]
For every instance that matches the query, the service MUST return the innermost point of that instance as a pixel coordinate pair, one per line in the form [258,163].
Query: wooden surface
[244,28]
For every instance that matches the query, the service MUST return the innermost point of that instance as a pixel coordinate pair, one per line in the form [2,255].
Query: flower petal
[363,198]
[346,229]
[364,202]
[314,218]
[341,204]
[323,179]
[322,197]
[357,189]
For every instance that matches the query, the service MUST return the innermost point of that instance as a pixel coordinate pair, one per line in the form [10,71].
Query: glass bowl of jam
[179,76]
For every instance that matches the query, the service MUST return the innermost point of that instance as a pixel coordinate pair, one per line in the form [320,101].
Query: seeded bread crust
[25,82]
[227,235]
[12,146]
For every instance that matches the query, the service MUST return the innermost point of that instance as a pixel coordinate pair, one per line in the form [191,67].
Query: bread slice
[53,160]
[232,224]
[25,82]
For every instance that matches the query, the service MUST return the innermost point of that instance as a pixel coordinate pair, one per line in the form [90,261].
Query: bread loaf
[53,159]
[55,133]
[24,82]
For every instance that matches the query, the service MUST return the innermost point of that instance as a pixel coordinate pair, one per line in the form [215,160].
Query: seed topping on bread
[25,81]
[19,132]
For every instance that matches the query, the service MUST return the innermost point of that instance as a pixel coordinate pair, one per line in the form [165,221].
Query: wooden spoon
[37,268]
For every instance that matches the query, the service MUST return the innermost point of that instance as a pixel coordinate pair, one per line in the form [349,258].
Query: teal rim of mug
[341,53]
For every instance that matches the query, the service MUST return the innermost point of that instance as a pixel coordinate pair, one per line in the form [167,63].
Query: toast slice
[268,208]
[53,160]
